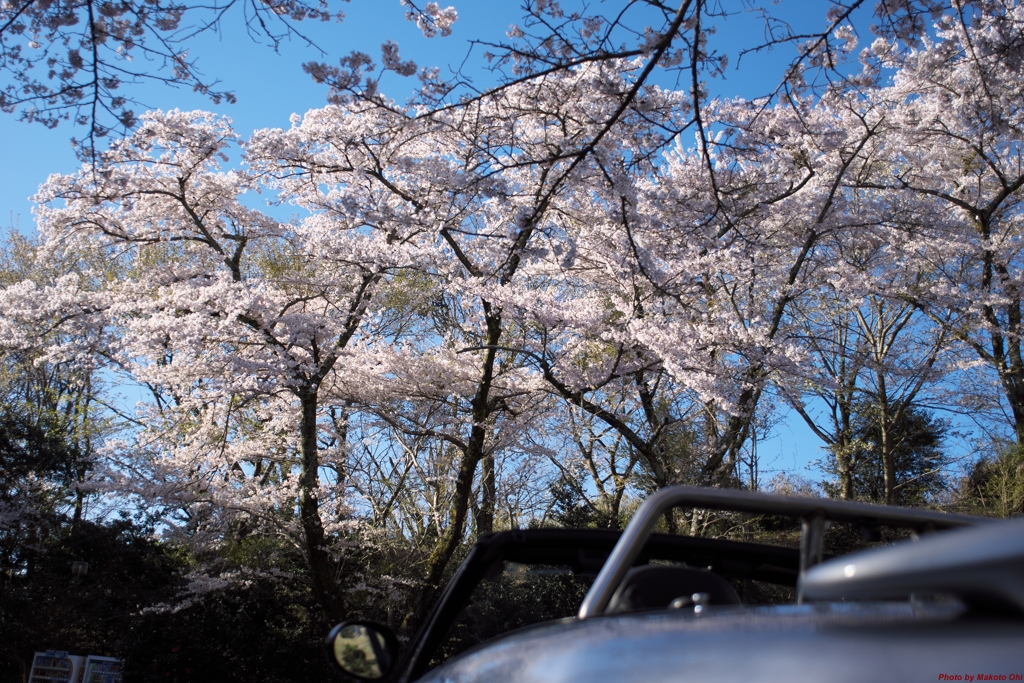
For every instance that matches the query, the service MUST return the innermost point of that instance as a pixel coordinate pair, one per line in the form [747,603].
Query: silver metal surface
[985,563]
[812,534]
[822,643]
[817,510]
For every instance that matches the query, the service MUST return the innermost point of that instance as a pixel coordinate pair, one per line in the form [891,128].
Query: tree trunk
[473,454]
[886,421]
[321,567]
[718,469]
[485,515]
[888,462]
[844,468]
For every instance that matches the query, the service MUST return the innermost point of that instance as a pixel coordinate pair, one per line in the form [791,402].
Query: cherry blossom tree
[235,321]
[690,274]
[84,60]
[952,172]
[52,417]
[478,186]
[875,360]
[470,284]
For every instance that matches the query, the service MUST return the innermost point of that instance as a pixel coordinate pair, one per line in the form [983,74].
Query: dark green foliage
[841,538]
[45,606]
[26,447]
[130,605]
[571,510]
[26,457]
[995,484]
[355,660]
[39,469]
[918,456]
[259,632]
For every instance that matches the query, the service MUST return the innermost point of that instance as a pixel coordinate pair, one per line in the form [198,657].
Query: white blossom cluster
[485,283]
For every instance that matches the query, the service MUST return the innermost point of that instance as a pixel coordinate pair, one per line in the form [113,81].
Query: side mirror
[362,650]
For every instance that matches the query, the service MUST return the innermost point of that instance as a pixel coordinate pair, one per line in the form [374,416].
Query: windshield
[513,596]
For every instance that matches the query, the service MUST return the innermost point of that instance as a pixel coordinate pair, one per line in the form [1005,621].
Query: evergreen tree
[995,484]
[918,455]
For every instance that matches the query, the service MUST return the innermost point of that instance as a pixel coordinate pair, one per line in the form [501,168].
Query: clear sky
[271,86]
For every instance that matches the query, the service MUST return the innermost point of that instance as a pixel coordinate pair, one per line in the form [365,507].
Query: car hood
[832,642]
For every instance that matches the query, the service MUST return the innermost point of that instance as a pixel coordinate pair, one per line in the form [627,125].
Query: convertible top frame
[815,515]
[586,551]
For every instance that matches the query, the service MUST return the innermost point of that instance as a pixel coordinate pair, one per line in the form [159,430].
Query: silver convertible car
[945,604]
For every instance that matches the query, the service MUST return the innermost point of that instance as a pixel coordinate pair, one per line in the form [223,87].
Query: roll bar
[815,515]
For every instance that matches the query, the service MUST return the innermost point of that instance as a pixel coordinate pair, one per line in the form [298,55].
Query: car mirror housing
[362,650]
[982,566]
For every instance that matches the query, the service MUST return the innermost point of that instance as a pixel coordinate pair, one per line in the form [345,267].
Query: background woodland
[264,383]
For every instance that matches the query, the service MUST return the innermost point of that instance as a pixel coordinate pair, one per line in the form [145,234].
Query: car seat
[653,587]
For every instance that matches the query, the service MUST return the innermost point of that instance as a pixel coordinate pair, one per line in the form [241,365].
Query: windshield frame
[585,550]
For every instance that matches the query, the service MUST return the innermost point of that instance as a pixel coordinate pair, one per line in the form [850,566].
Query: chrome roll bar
[815,515]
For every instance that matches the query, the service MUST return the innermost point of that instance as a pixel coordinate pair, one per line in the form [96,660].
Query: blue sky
[271,86]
